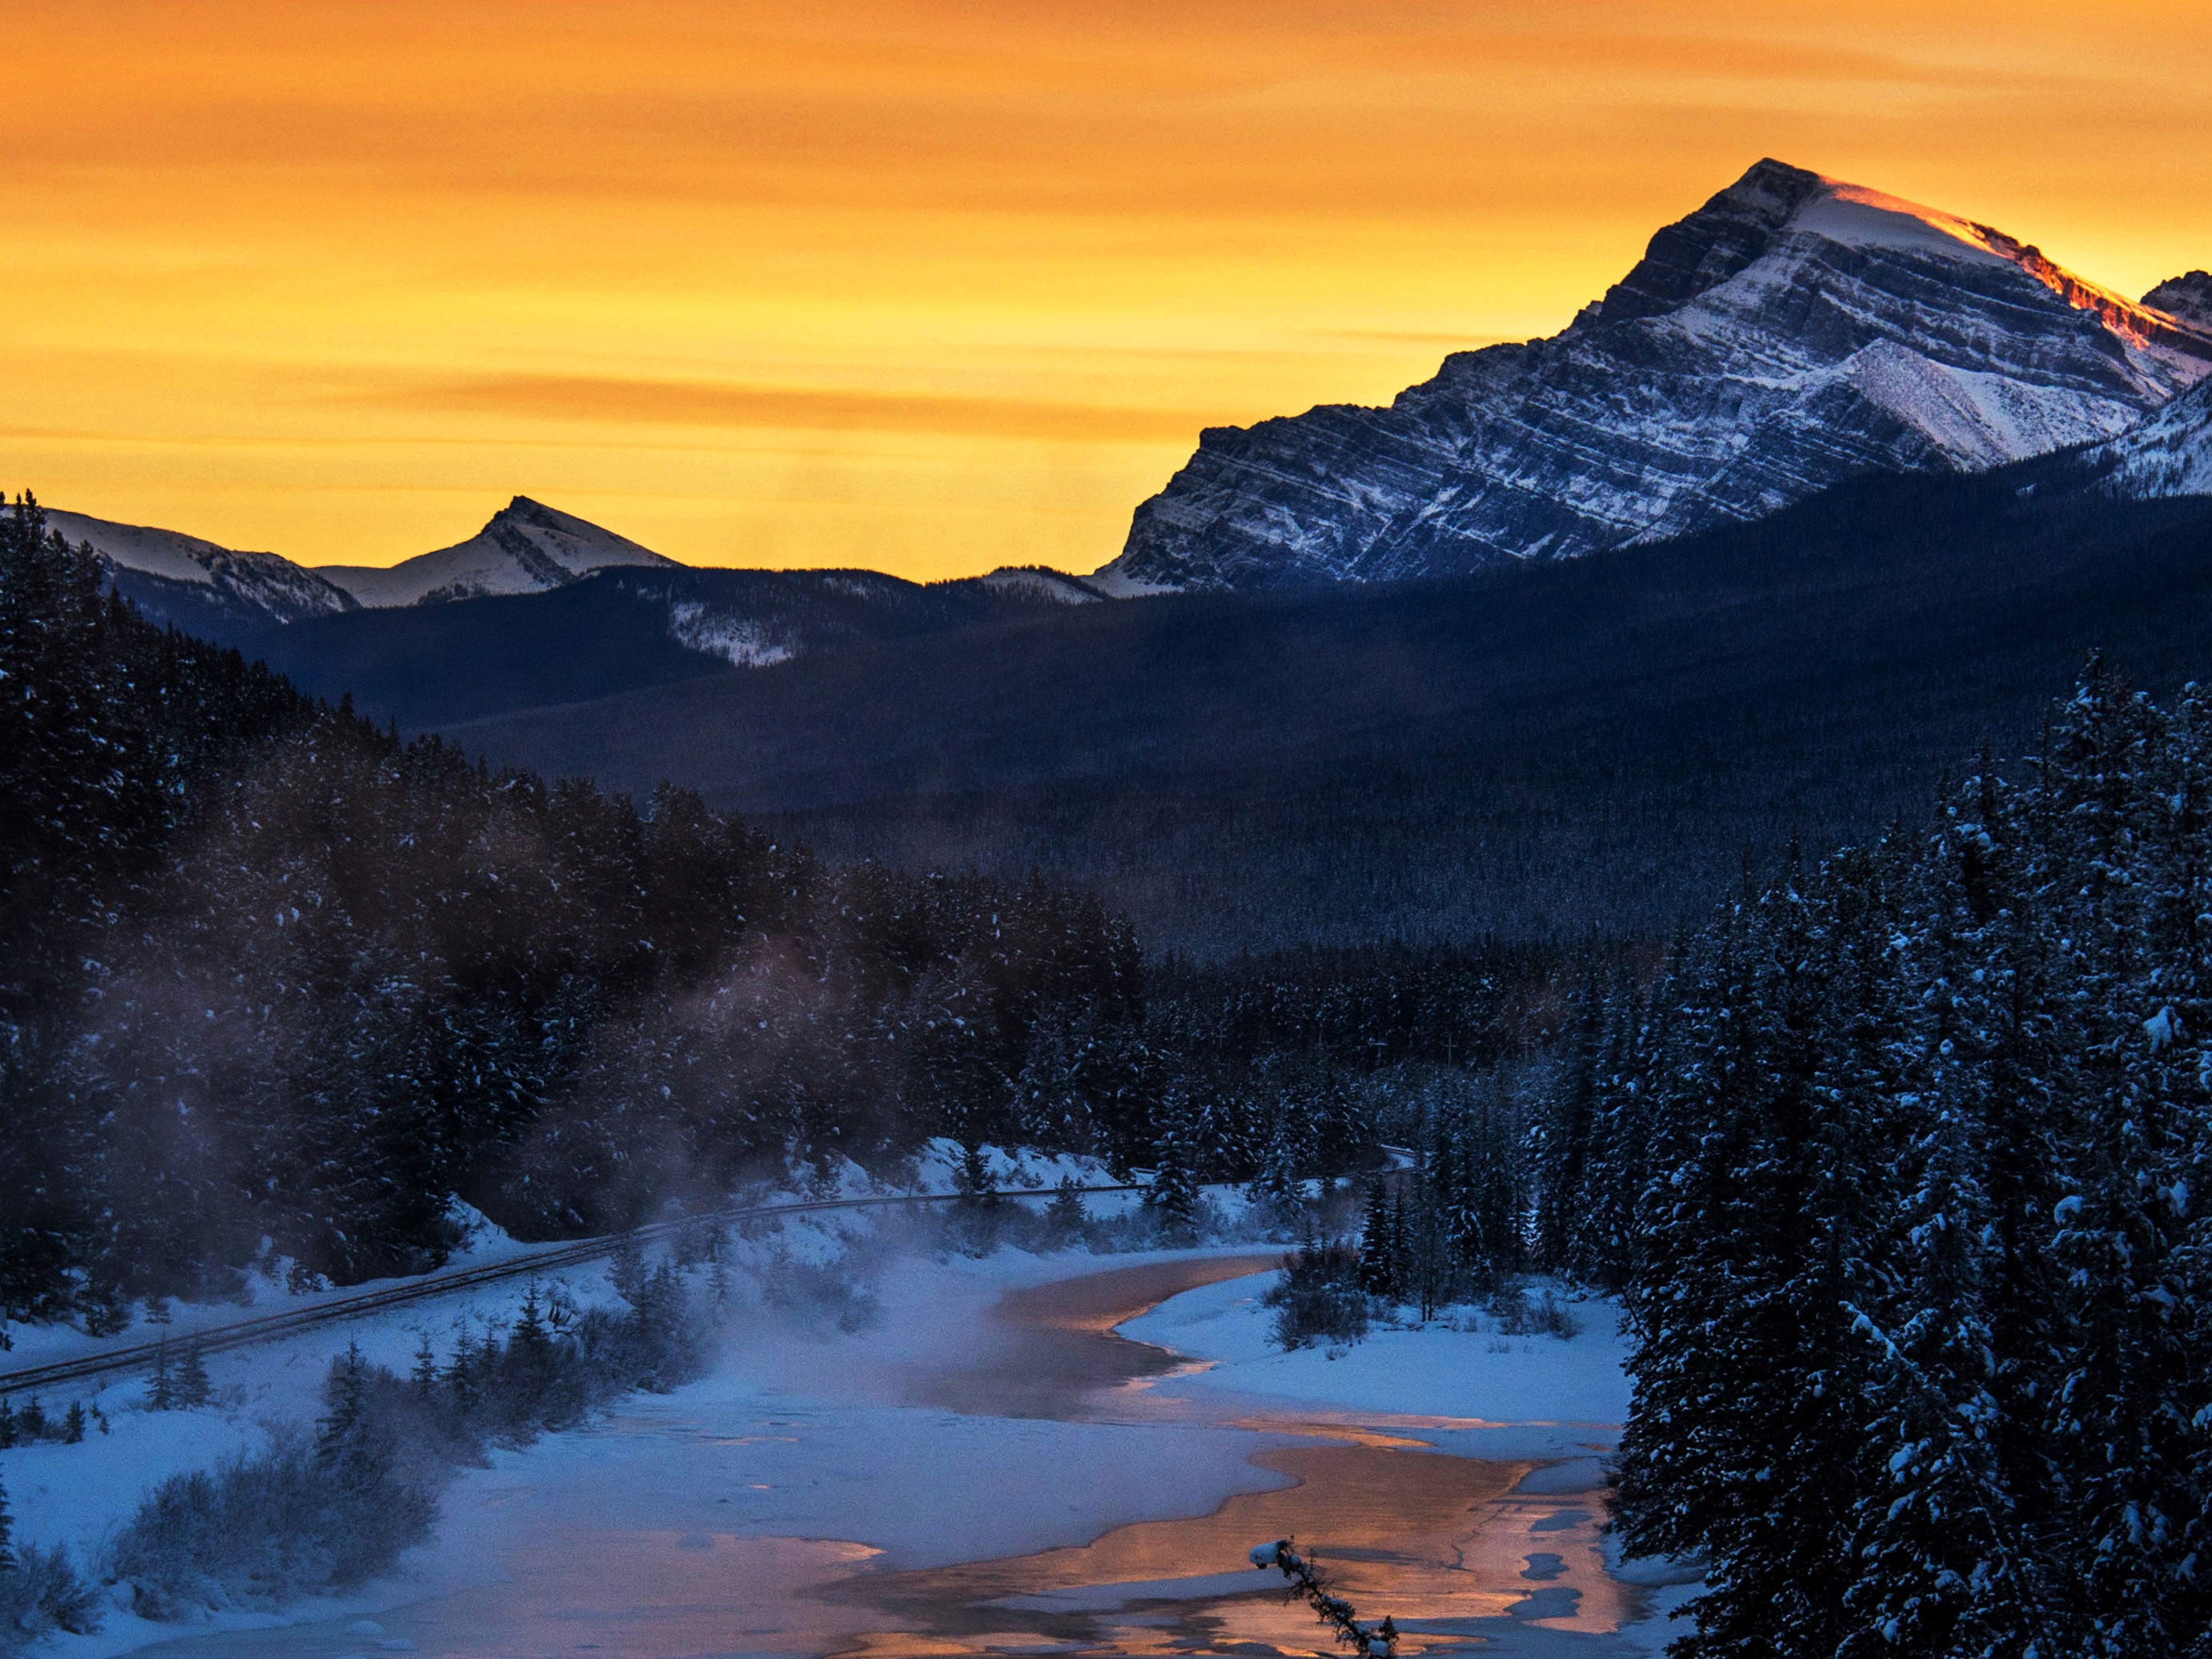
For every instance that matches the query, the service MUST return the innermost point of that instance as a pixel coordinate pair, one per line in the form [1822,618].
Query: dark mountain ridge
[617,630]
[1537,749]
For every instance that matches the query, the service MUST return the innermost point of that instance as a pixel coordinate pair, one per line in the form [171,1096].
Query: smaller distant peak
[2188,296]
[528,510]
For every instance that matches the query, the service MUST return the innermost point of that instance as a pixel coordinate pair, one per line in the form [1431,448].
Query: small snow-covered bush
[826,1290]
[1518,1314]
[1319,1298]
[41,1592]
[300,1518]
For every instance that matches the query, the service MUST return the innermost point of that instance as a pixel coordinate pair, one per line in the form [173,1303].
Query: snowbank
[1506,1397]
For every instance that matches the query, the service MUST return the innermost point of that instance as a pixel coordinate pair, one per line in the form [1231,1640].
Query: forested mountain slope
[273,985]
[1590,744]
[622,629]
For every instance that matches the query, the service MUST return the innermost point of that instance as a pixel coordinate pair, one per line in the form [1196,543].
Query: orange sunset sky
[913,284]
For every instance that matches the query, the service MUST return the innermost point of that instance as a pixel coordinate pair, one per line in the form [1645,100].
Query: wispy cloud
[810,408]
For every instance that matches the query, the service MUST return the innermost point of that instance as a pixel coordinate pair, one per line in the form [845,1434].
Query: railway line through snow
[215,1334]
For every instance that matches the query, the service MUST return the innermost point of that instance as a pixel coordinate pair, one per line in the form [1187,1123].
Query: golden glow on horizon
[926,285]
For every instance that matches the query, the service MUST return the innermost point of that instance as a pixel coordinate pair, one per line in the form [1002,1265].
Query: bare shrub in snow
[819,1291]
[254,1532]
[1518,1314]
[41,1592]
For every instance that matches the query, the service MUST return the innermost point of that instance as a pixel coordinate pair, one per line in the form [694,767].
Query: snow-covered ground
[1468,1388]
[1505,1396]
[268,1289]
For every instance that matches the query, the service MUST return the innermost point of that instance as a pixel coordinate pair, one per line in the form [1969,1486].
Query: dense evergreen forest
[1902,1169]
[275,984]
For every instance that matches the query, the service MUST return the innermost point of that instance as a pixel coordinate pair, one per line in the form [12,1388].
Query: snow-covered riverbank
[797,1492]
[1506,1395]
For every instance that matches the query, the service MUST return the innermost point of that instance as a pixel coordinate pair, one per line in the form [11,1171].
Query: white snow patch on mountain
[1981,419]
[743,643]
[1038,582]
[1117,584]
[169,554]
[1860,217]
[263,585]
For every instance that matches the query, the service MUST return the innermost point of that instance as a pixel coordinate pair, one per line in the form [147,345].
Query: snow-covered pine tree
[1174,1194]
[1743,1436]
[2128,899]
[1285,1151]
[1064,1215]
[192,1390]
[1381,1272]
[1564,1134]
[1943,1567]
[339,1430]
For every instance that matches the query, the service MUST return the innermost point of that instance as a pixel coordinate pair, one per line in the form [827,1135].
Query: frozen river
[998,1470]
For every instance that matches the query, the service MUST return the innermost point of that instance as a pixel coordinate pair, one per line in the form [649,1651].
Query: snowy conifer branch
[1370,1641]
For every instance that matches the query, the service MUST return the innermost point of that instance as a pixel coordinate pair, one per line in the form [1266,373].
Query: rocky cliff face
[2188,297]
[1793,332]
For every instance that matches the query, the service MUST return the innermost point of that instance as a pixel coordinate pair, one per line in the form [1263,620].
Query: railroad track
[243,1332]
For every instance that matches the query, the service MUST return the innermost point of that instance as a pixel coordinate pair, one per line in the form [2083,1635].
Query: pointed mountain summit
[526,547]
[1794,331]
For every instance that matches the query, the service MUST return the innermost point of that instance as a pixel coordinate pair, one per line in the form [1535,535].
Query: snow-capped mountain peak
[1795,331]
[525,547]
[204,576]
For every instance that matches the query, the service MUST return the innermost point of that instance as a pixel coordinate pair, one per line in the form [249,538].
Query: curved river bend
[1499,1557]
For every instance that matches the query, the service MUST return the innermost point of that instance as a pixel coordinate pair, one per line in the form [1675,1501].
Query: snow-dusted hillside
[165,569]
[1040,582]
[2169,454]
[1793,332]
[526,548]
